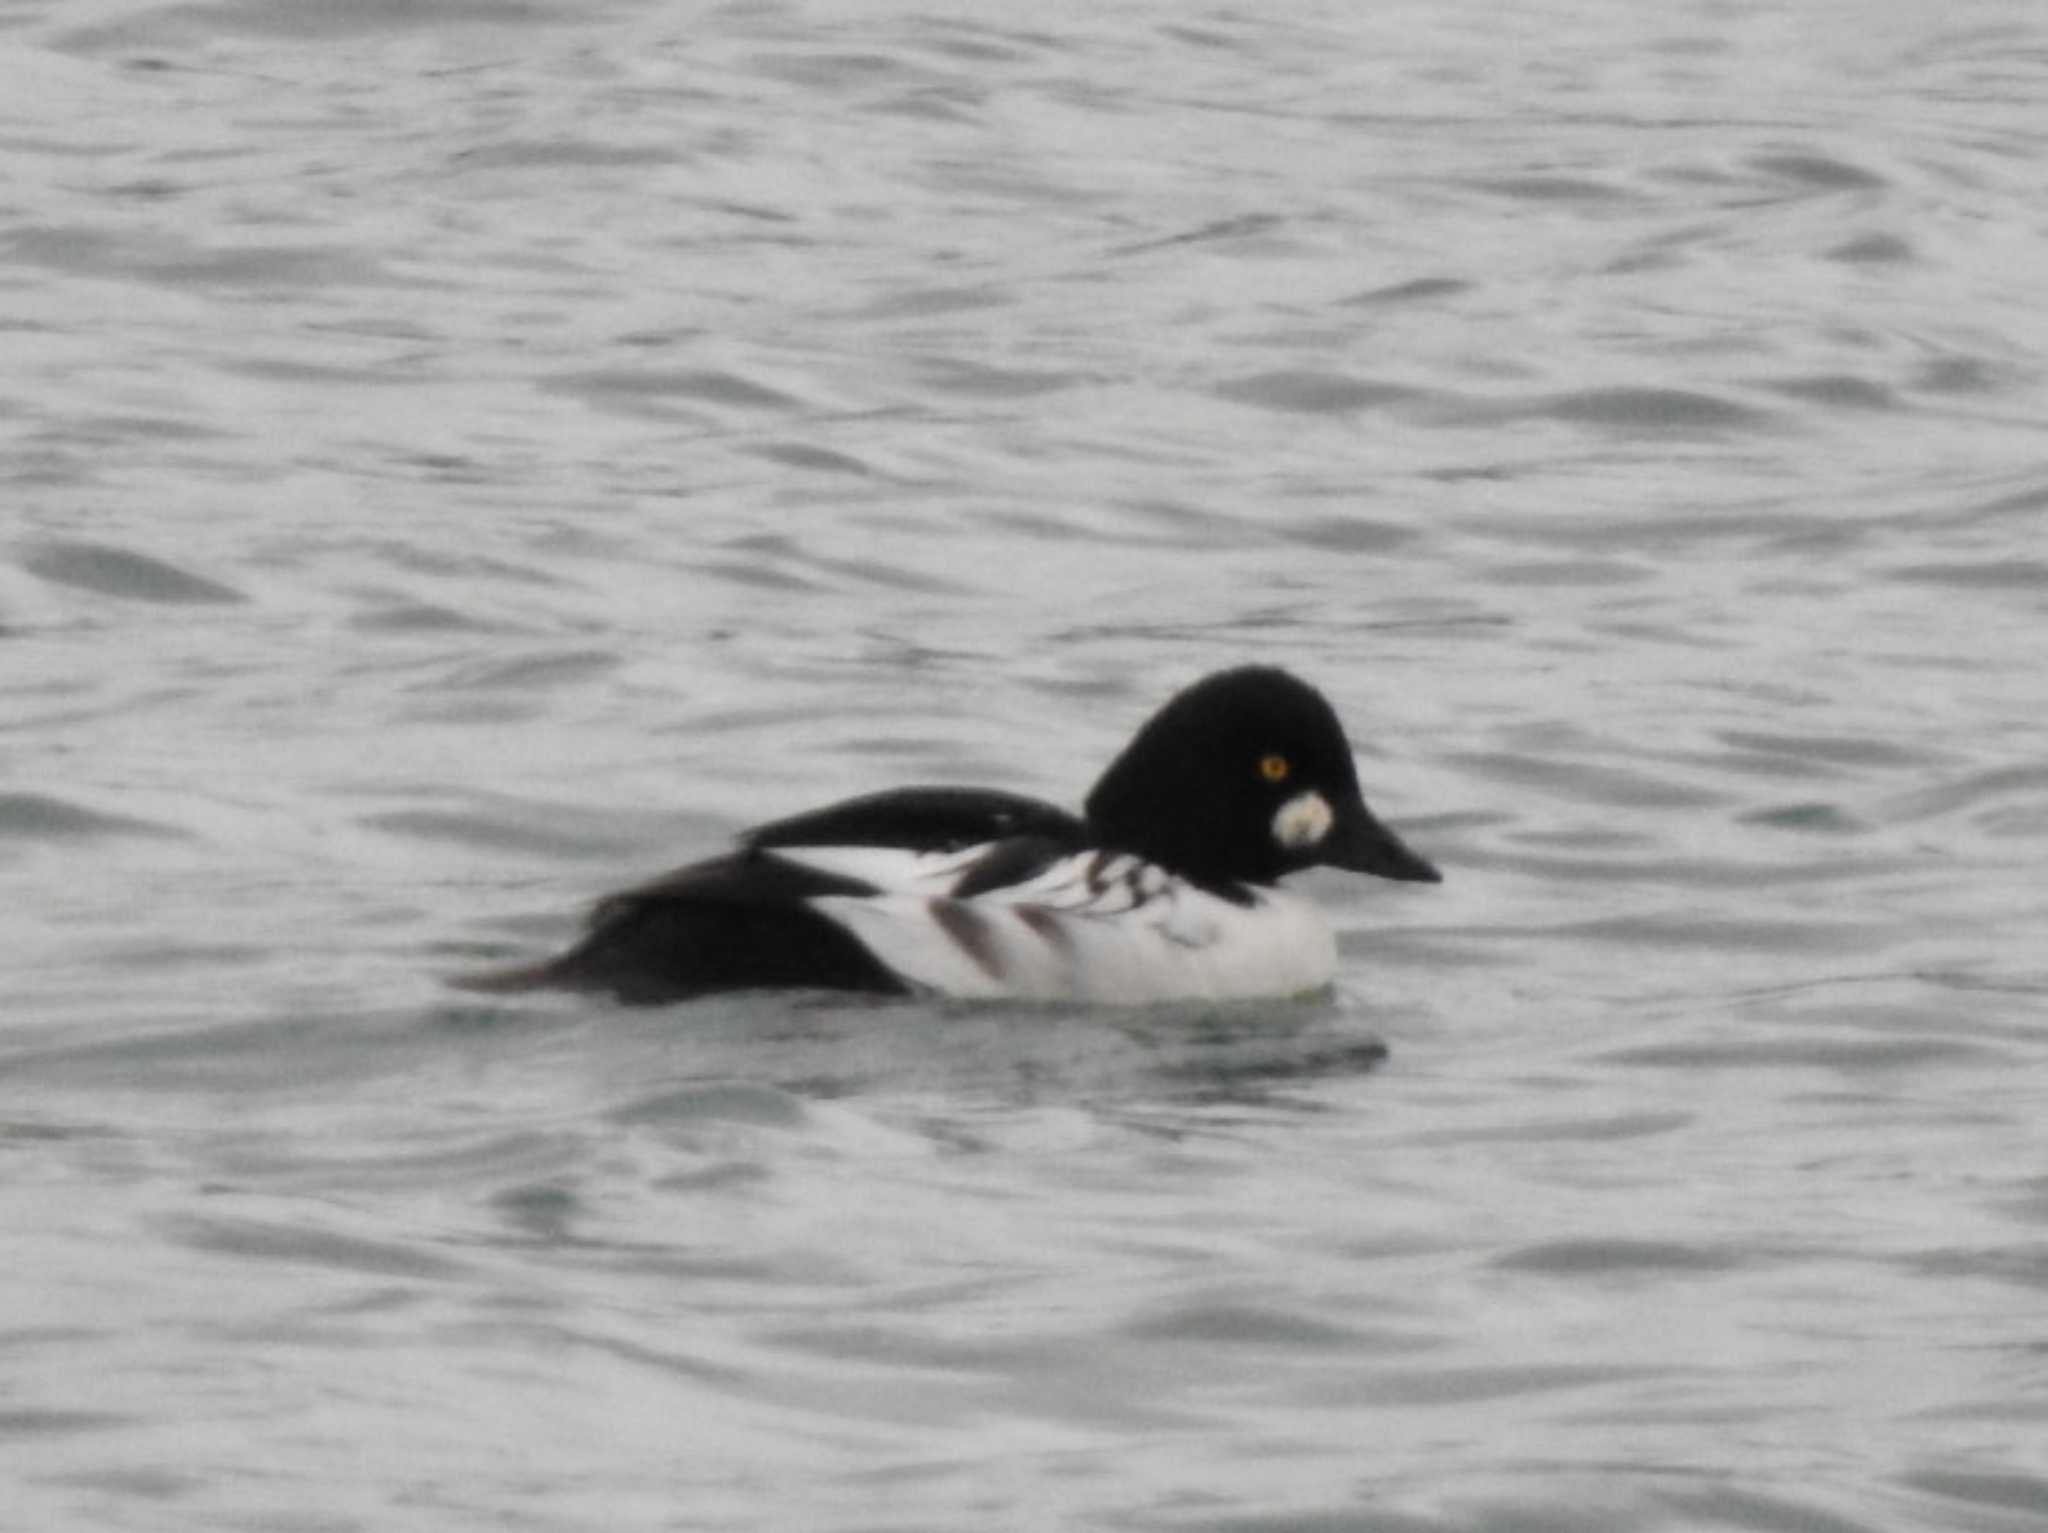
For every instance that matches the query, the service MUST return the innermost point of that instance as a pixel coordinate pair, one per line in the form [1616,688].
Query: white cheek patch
[1303,820]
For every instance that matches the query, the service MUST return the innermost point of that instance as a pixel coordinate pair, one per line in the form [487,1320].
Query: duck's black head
[1240,779]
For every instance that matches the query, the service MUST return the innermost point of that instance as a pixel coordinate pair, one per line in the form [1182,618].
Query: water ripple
[105,570]
[1614,1256]
[40,817]
[1313,393]
[264,1240]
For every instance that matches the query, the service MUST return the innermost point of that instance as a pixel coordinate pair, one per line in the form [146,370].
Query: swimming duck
[1164,888]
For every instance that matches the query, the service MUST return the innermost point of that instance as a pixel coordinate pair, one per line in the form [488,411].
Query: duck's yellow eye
[1274,768]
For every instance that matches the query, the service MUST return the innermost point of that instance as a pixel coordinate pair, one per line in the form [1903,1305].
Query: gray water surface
[461,457]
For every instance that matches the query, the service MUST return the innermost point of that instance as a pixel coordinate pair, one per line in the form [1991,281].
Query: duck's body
[1162,891]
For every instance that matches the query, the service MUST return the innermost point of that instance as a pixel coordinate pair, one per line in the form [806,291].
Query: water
[463,456]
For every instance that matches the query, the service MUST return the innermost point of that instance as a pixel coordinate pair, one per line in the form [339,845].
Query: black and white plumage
[1163,889]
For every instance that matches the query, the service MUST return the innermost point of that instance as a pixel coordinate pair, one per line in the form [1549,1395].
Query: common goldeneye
[1161,890]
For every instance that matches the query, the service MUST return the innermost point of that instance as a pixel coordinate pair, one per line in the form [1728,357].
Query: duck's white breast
[1101,928]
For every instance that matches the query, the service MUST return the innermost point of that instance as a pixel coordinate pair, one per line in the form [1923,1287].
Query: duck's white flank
[1096,927]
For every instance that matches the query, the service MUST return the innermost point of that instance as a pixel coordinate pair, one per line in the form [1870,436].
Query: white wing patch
[1096,927]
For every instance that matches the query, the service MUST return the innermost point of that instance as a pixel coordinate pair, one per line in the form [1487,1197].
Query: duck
[1165,888]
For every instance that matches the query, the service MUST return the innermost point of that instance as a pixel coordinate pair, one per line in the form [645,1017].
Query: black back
[923,820]
[740,922]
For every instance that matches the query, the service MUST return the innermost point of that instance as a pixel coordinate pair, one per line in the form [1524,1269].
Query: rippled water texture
[461,456]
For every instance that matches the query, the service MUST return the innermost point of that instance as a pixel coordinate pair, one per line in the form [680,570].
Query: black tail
[512,981]
[649,949]
[739,922]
